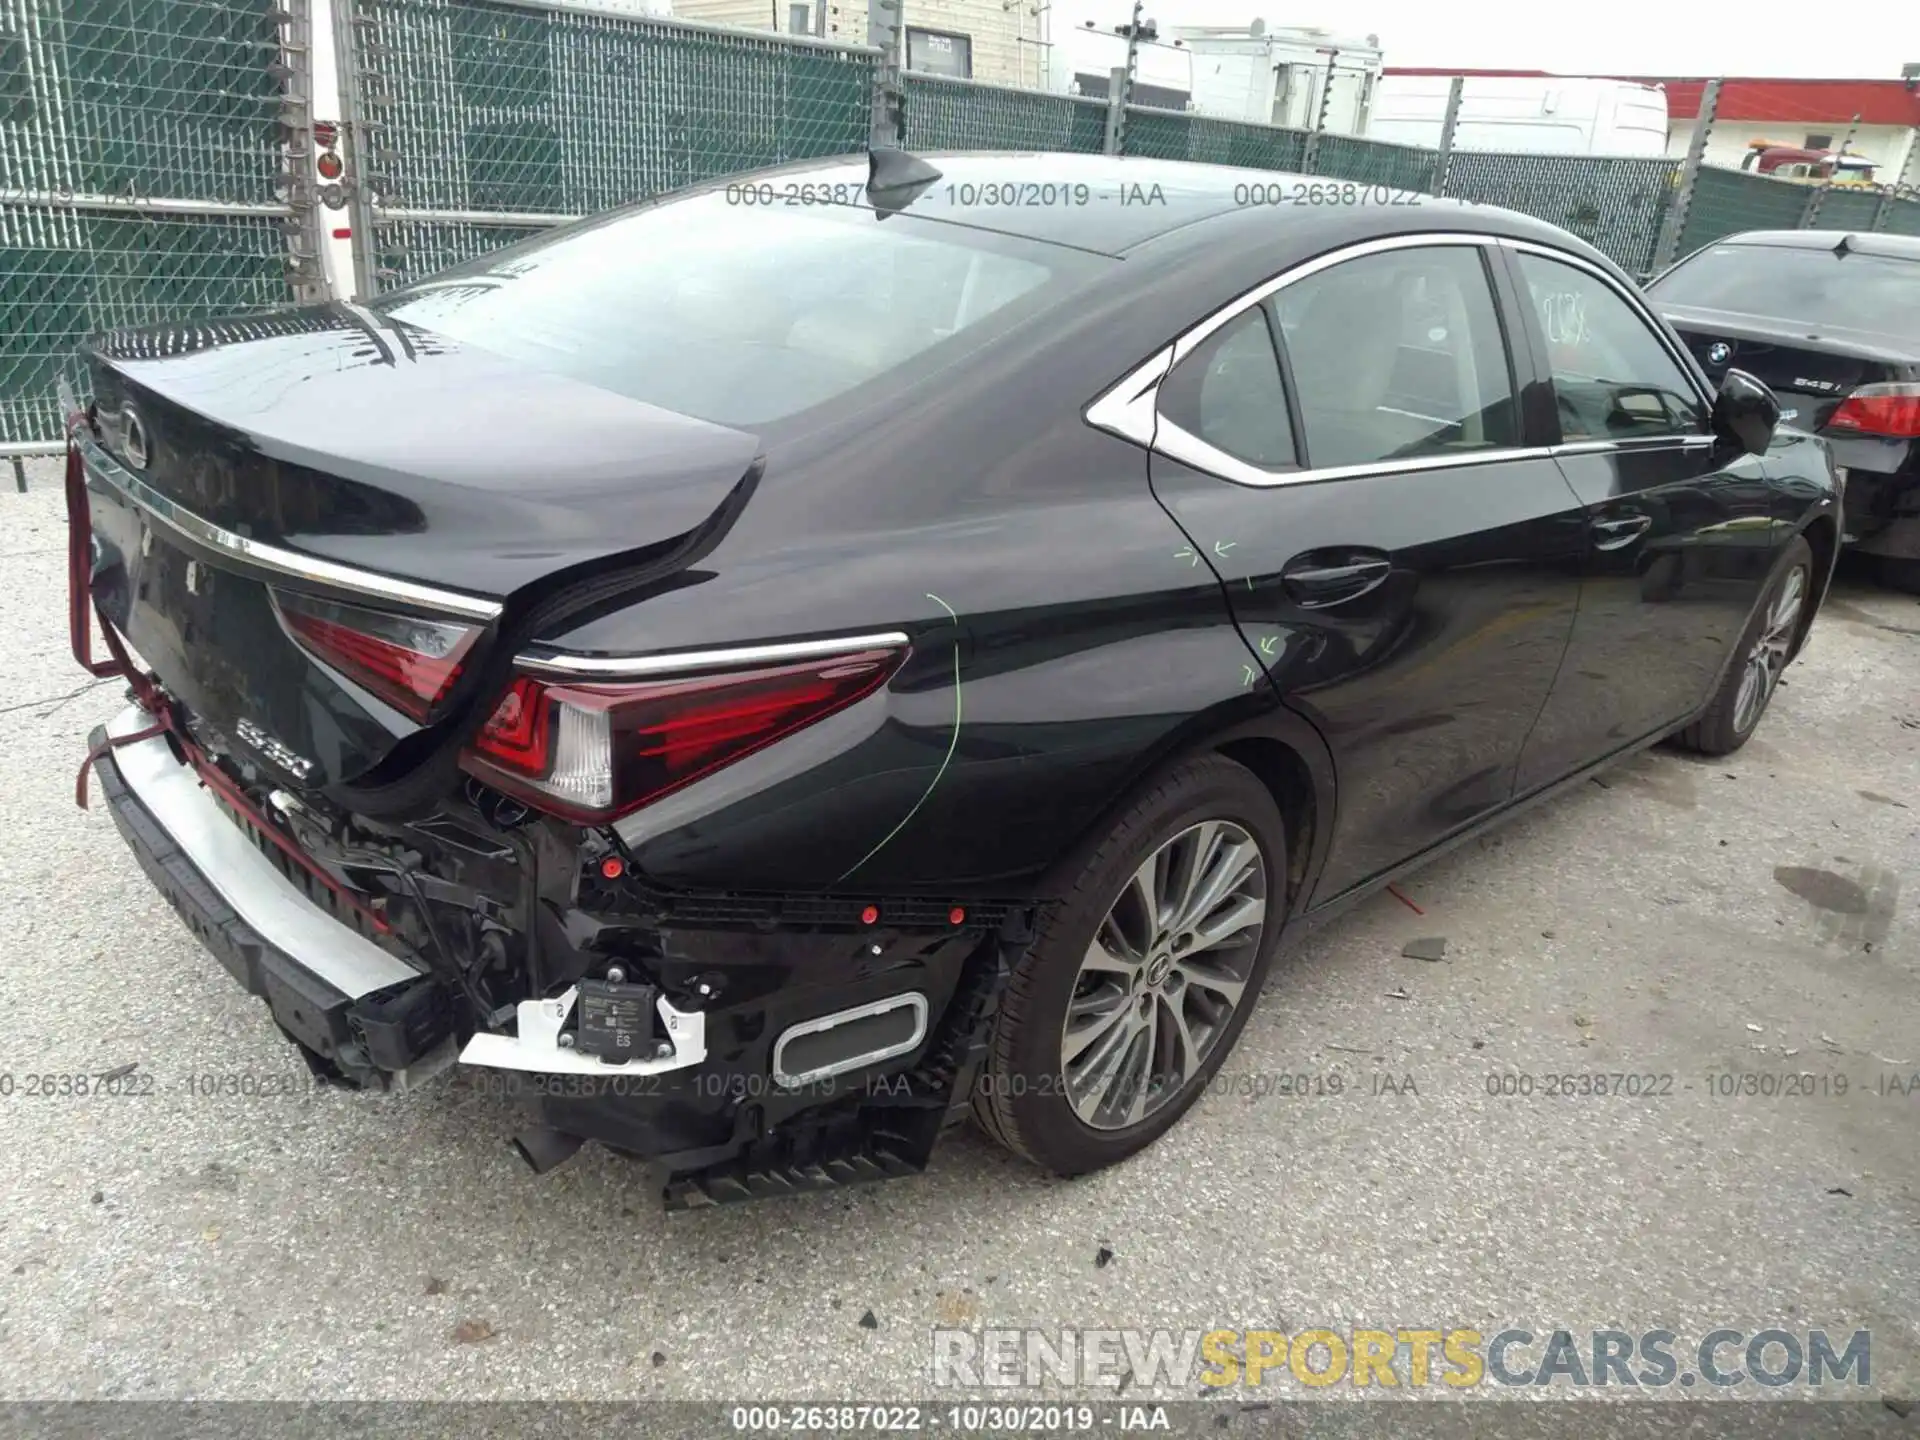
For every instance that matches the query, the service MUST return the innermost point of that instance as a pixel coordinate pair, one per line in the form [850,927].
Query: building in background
[1082,58]
[1799,114]
[1802,114]
[1000,42]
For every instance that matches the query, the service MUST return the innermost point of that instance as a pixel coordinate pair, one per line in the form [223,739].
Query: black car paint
[1812,370]
[1079,612]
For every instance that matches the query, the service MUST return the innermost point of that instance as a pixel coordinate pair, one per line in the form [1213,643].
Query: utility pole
[1120,89]
[1667,249]
[1902,186]
[888,127]
[1312,155]
[1445,157]
[1810,218]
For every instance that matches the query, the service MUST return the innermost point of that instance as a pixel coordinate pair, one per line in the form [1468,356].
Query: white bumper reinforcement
[282,915]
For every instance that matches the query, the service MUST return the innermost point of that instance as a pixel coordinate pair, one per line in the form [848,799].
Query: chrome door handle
[1314,584]
[1616,533]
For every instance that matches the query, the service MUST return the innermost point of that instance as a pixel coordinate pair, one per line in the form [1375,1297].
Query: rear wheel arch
[1822,535]
[1290,780]
[1283,751]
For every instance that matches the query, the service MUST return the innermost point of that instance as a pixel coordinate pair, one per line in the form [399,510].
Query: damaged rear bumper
[746,1097]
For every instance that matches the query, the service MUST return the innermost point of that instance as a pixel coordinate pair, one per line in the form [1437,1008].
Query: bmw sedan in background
[1831,321]
[781,667]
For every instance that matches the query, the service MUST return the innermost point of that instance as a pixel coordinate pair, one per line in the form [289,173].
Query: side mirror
[1745,412]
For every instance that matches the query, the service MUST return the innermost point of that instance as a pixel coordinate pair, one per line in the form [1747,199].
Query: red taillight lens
[1890,410]
[409,663]
[591,752]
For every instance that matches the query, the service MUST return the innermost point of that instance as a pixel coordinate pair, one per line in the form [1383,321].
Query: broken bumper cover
[310,968]
[711,1107]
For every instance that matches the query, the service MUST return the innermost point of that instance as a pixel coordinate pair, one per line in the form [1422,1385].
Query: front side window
[1612,377]
[1228,394]
[1398,356]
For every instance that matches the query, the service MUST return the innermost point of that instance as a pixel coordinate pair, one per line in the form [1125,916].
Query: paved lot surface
[1681,918]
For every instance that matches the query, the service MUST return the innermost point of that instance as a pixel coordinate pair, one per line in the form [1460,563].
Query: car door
[1680,533]
[1343,445]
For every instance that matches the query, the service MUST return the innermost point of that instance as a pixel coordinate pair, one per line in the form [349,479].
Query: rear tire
[1122,1009]
[1759,659]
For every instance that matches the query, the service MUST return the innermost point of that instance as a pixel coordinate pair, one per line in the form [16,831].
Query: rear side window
[739,313]
[1398,356]
[1612,378]
[1228,394]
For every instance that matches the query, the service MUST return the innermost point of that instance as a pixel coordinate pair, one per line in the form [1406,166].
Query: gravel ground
[1677,918]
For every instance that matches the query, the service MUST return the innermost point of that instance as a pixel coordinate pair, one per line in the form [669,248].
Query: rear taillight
[1890,410]
[408,662]
[594,751]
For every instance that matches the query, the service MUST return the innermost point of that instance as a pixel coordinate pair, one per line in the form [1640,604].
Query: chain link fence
[946,114]
[142,156]
[1902,217]
[145,151]
[1728,201]
[477,118]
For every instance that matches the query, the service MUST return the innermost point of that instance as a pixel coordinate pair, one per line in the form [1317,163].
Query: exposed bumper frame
[280,946]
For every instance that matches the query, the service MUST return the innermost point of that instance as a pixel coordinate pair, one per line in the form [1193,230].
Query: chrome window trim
[564,665]
[103,467]
[1635,445]
[1129,407]
[1676,352]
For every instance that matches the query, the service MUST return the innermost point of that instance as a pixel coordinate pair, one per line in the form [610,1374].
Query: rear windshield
[736,313]
[1814,288]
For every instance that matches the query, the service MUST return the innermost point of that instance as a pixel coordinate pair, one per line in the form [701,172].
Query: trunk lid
[1811,373]
[268,492]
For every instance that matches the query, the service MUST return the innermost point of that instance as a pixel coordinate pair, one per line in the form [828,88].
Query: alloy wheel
[1166,970]
[1768,657]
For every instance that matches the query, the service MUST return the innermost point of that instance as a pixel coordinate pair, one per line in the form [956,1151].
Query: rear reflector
[592,752]
[409,663]
[1891,410]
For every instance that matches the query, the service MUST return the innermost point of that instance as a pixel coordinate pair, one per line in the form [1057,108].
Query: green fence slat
[1847,209]
[1170,135]
[139,97]
[1375,162]
[1903,217]
[65,275]
[1617,204]
[480,105]
[945,114]
[1728,201]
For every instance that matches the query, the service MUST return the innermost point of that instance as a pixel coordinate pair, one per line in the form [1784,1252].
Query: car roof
[1115,204]
[1858,242]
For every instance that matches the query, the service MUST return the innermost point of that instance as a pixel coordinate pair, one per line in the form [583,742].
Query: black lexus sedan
[1831,321]
[767,672]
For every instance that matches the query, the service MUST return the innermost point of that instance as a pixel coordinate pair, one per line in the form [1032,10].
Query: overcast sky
[1703,37]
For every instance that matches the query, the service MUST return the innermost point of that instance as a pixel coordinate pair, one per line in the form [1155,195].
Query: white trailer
[1291,76]
[1553,115]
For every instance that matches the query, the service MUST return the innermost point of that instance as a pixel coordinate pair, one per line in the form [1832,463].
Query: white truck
[1549,114]
[1282,76]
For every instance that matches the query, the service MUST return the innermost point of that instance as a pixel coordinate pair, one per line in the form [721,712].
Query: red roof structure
[1876,102]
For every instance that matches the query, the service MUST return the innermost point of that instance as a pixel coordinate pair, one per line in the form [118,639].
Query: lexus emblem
[1719,353]
[133,437]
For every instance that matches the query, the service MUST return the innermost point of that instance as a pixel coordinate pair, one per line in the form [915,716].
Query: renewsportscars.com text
[1455,1357]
